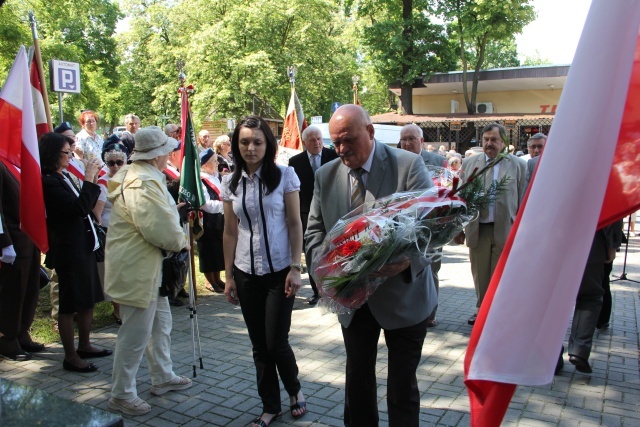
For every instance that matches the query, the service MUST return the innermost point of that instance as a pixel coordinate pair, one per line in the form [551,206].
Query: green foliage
[72,30]
[402,43]
[476,25]
[233,48]
[536,59]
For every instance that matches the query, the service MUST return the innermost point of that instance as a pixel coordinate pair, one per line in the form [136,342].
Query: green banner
[190,183]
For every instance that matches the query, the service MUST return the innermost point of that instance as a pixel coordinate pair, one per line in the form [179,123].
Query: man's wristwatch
[297,266]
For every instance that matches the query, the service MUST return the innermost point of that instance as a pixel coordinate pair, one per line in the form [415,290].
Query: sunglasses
[112,163]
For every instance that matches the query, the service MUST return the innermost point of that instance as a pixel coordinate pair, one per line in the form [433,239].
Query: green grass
[42,328]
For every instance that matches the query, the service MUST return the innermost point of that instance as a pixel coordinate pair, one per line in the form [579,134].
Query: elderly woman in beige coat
[143,228]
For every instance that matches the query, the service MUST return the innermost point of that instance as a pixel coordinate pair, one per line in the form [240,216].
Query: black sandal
[299,406]
[261,423]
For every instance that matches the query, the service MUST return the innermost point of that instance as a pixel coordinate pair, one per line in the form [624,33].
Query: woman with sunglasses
[89,144]
[72,244]
[114,154]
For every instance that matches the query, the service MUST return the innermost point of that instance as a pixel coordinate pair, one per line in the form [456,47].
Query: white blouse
[263,236]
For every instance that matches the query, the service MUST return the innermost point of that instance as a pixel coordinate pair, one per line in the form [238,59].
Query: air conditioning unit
[484,107]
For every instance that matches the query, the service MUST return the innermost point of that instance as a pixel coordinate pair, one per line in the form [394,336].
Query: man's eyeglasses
[112,163]
[409,139]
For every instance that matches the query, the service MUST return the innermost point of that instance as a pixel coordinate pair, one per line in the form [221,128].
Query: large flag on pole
[190,184]
[19,146]
[42,126]
[523,319]
[292,130]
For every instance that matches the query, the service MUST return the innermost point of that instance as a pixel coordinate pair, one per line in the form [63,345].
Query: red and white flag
[292,130]
[593,150]
[19,146]
[42,126]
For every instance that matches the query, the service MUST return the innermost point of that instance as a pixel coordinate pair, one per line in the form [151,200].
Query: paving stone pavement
[224,392]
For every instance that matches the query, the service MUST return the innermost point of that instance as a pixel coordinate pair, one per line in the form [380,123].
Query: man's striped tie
[357,188]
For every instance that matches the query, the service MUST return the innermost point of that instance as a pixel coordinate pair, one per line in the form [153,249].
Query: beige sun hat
[152,142]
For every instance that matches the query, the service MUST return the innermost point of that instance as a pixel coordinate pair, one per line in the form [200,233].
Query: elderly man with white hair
[411,139]
[170,130]
[204,140]
[305,164]
[132,123]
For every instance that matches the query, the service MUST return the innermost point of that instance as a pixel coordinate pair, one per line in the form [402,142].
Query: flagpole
[187,138]
[38,58]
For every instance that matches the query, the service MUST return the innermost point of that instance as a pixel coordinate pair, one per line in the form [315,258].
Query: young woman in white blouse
[262,247]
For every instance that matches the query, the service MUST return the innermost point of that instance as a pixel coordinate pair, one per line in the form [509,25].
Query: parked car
[388,134]
[117,130]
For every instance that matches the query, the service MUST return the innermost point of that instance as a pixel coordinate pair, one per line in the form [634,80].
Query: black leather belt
[486,223]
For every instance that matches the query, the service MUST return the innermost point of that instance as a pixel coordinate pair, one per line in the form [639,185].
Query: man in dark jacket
[19,273]
[305,164]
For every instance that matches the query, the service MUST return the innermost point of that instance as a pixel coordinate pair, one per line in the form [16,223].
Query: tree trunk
[406,98]
[406,93]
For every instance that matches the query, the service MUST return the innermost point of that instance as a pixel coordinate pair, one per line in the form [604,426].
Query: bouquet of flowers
[395,228]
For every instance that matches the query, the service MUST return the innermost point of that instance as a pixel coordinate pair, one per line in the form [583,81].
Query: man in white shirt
[487,234]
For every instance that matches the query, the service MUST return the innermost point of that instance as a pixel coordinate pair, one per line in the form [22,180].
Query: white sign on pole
[65,76]
[316,120]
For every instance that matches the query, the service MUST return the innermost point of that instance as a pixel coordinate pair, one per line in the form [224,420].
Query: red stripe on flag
[39,112]
[623,191]
[10,122]
[32,214]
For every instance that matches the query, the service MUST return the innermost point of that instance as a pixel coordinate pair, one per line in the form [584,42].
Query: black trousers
[587,310]
[304,216]
[605,311]
[19,291]
[405,348]
[267,313]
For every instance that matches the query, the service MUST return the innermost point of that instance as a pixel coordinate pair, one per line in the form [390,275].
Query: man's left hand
[393,269]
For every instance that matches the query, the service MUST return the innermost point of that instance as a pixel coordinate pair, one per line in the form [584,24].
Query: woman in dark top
[72,242]
[210,244]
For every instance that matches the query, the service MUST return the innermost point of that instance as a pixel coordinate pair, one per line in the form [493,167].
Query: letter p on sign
[65,76]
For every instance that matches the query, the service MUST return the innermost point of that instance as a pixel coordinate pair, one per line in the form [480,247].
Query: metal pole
[60,107]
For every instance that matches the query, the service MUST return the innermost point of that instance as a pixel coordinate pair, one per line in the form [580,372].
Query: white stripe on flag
[527,320]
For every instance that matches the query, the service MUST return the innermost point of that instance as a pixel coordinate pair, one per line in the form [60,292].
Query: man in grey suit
[487,234]
[401,304]
[305,164]
[411,139]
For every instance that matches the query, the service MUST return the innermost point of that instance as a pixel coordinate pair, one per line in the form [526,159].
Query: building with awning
[523,99]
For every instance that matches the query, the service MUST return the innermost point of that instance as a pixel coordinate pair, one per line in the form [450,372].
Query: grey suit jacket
[433,159]
[507,204]
[403,300]
[531,166]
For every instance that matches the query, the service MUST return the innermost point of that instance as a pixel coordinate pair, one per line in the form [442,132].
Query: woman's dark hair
[270,173]
[50,146]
